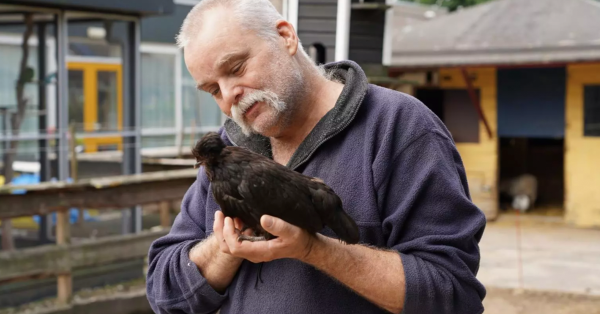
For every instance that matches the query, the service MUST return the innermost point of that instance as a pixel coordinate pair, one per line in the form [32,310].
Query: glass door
[95,104]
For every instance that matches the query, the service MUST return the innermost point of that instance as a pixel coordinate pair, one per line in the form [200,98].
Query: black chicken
[248,185]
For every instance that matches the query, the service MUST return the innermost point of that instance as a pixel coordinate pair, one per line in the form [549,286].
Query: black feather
[248,185]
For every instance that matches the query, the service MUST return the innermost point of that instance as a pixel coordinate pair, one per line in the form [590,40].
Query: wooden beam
[51,260]
[104,193]
[475,102]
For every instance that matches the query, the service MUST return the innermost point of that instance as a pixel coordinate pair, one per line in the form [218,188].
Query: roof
[128,7]
[409,13]
[503,32]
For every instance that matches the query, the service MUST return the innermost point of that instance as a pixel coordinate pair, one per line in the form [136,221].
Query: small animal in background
[522,190]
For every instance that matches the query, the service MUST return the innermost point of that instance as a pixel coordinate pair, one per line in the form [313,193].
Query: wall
[366,35]
[582,157]
[480,159]
[316,24]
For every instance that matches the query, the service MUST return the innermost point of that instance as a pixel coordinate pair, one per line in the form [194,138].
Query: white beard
[270,99]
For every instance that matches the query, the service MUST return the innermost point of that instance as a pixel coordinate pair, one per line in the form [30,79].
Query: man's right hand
[213,258]
[218,230]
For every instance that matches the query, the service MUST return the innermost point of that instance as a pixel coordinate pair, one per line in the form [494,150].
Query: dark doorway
[543,159]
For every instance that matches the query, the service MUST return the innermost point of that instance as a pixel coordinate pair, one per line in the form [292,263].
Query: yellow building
[517,83]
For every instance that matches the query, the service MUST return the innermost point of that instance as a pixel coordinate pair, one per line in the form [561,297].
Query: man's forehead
[220,61]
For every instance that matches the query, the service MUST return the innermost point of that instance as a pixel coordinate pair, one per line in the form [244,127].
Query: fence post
[63,237]
[165,215]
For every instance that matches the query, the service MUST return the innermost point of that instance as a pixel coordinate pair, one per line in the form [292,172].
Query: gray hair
[259,16]
[255,15]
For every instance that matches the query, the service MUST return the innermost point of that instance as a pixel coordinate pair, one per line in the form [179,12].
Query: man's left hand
[291,241]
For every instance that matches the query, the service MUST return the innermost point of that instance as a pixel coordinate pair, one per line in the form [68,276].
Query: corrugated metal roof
[504,32]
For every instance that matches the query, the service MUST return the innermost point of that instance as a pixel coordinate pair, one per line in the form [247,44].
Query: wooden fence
[105,193]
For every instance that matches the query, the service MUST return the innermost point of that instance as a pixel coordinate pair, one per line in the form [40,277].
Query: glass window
[591,125]
[158,90]
[159,141]
[9,73]
[107,101]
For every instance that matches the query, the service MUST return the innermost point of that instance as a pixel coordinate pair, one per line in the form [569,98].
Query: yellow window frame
[90,106]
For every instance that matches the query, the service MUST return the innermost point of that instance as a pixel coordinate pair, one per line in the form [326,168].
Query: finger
[277,227]
[218,231]
[230,235]
[218,224]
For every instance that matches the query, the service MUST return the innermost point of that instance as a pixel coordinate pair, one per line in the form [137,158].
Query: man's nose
[232,94]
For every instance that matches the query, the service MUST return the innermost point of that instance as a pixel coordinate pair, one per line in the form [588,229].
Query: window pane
[158,91]
[460,116]
[160,141]
[9,73]
[107,101]
[76,98]
[591,125]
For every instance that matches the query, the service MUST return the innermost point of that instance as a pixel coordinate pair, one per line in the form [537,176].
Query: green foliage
[450,4]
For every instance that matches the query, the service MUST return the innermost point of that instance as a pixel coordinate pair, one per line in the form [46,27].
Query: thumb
[276,226]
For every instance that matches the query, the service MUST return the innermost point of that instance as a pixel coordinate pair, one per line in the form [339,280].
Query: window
[9,72]
[454,108]
[591,111]
[158,90]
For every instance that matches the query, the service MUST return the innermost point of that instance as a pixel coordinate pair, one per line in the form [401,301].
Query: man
[390,159]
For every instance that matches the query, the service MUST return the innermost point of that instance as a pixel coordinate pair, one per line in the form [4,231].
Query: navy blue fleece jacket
[399,175]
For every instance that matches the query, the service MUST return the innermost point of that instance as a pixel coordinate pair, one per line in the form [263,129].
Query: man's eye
[215,91]
[237,69]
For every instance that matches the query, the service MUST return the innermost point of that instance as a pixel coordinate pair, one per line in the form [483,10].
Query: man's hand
[218,228]
[377,275]
[291,241]
[216,265]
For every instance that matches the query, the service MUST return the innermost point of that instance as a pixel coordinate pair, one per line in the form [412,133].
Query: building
[517,83]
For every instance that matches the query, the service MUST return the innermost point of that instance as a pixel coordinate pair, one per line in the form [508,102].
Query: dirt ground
[509,301]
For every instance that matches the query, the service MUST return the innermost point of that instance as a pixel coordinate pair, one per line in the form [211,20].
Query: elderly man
[390,159]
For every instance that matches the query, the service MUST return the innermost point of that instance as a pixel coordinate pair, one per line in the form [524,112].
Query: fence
[103,193]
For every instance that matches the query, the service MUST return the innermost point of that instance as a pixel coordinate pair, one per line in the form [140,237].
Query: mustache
[238,110]
[247,101]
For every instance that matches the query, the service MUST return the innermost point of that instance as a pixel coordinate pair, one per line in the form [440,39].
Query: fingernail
[268,222]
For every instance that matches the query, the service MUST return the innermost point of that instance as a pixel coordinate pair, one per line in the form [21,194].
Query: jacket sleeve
[428,217]
[174,282]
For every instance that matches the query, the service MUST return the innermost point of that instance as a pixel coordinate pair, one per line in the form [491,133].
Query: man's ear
[288,34]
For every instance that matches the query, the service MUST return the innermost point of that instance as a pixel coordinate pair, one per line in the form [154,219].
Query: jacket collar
[336,120]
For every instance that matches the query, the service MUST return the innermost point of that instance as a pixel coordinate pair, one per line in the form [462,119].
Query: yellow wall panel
[582,157]
[480,159]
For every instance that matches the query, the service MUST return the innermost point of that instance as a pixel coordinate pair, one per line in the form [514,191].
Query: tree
[16,119]
[450,4]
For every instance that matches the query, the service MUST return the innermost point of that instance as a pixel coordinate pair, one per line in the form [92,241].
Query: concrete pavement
[554,257]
